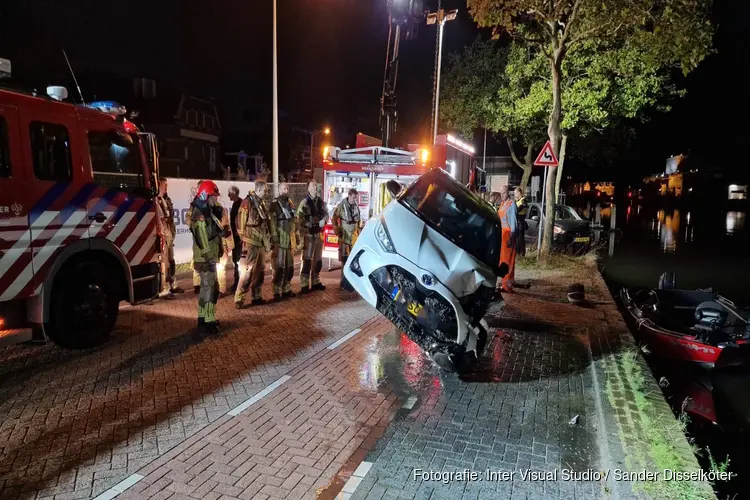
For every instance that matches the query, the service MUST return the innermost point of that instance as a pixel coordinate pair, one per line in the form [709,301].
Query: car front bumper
[372,272]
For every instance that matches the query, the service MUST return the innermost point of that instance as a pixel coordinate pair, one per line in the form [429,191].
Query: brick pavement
[290,444]
[158,406]
[544,367]
[74,423]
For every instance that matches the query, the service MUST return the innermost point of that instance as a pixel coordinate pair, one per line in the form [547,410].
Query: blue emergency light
[109,107]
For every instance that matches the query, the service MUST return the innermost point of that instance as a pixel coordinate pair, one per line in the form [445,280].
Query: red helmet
[206,189]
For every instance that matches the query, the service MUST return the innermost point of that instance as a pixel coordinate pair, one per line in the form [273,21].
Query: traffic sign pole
[541,215]
[545,159]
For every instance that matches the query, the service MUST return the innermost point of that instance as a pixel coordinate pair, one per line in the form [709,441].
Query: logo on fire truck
[15,209]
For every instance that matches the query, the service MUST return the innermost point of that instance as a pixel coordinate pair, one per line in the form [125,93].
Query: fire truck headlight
[425,155]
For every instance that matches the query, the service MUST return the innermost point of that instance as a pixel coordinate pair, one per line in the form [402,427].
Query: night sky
[331,62]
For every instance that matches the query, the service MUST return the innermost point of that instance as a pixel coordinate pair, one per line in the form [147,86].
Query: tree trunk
[554,133]
[525,165]
[561,160]
[525,178]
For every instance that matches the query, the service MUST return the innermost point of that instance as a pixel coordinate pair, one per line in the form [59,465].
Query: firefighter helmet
[206,189]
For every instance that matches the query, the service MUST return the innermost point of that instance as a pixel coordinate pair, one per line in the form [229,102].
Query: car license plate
[582,239]
[413,307]
[333,239]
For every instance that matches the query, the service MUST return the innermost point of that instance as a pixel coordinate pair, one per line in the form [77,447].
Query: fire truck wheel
[84,306]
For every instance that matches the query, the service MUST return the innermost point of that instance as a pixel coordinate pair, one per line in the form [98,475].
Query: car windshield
[564,212]
[457,214]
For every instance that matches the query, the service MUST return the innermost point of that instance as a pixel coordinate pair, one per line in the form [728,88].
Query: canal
[704,247]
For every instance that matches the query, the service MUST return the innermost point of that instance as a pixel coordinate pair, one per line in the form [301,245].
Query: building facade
[187,128]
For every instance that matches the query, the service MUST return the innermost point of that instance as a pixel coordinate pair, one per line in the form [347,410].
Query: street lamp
[440,18]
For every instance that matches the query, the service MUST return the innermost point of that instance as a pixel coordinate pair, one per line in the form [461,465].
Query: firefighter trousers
[168,266]
[209,292]
[312,260]
[282,263]
[252,274]
[221,273]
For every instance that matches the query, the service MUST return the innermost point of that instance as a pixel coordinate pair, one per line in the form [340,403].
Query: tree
[661,34]
[486,87]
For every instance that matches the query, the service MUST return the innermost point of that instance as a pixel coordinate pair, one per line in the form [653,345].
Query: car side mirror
[502,270]
[393,187]
[535,218]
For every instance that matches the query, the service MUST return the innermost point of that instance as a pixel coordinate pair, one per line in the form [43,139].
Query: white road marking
[344,339]
[351,485]
[120,487]
[409,404]
[265,392]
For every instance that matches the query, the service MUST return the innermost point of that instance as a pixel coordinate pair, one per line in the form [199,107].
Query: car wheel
[84,307]
[482,336]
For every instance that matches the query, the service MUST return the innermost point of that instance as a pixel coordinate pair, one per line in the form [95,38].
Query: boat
[696,326]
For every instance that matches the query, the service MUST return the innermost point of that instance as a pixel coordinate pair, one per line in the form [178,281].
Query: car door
[532,219]
[16,270]
[120,209]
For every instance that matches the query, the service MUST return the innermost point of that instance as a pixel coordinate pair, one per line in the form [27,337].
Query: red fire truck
[368,168]
[78,223]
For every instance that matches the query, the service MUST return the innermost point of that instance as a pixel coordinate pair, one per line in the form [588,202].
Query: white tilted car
[429,263]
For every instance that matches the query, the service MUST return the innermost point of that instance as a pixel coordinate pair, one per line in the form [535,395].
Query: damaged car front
[429,263]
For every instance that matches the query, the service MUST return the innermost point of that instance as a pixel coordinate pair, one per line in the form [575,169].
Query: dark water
[704,247]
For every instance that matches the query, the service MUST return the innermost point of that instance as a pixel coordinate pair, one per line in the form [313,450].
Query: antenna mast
[80,94]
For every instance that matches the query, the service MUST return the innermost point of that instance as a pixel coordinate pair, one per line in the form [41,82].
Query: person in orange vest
[508,213]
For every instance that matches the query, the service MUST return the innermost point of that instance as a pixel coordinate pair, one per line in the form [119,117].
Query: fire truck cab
[78,223]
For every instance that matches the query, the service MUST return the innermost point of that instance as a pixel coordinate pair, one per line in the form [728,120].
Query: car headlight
[559,230]
[381,233]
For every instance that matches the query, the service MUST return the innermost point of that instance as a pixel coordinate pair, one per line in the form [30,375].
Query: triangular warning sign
[547,157]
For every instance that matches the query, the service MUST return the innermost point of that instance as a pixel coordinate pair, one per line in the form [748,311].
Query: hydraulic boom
[403,20]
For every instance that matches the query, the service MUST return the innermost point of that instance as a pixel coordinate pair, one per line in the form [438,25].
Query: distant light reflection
[735,222]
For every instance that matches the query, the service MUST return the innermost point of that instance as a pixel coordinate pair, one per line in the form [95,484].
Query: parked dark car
[571,234]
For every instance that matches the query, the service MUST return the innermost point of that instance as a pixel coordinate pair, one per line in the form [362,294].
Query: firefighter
[207,233]
[168,230]
[227,247]
[346,223]
[234,196]
[312,214]
[253,227]
[286,240]
[507,213]
[522,208]
[188,220]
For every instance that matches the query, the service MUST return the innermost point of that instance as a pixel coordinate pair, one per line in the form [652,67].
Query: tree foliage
[485,87]
[605,59]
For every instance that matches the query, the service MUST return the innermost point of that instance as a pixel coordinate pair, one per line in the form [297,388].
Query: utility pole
[275,126]
[440,18]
